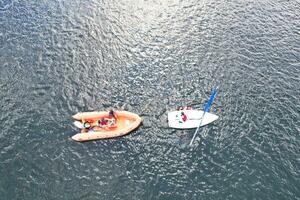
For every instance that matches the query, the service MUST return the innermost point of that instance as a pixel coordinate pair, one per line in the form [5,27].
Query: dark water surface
[60,57]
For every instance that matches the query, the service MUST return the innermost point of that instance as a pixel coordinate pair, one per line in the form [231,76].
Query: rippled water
[61,57]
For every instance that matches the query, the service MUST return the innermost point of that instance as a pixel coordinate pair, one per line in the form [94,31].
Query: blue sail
[210,100]
[206,107]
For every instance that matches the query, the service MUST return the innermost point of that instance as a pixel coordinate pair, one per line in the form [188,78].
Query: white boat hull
[194,117]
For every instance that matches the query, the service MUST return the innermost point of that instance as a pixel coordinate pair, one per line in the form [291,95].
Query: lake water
[61,57]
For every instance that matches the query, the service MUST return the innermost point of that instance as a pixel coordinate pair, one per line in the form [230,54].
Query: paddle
[206,108]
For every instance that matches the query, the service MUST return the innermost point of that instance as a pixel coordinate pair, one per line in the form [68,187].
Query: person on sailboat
[183,116]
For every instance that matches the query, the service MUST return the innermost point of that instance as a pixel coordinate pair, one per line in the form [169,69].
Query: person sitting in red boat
[111,119]
[112,115]
[102,122]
